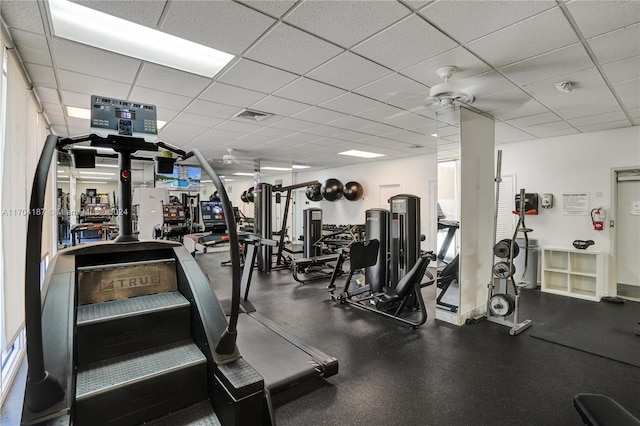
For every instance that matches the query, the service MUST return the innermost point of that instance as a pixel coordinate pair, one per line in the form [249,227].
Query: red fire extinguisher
[597,218]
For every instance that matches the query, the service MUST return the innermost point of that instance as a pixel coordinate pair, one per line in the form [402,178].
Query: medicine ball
[332,189]
[353,191]
[313,192]
[243,197]
[250,195]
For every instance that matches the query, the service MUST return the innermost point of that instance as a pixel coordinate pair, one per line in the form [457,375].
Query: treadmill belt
[279,362]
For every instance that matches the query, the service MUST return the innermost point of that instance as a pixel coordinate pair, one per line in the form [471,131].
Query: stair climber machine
[129,332]
[503,303]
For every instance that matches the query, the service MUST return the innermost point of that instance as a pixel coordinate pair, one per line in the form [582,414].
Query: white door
[627,227]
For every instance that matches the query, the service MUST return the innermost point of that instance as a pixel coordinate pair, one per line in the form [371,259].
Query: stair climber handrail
[226,349]
[42,390]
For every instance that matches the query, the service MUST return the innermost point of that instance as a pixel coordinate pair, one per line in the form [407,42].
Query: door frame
[612,288]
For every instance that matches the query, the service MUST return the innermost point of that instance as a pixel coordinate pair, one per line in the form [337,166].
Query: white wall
[574,163]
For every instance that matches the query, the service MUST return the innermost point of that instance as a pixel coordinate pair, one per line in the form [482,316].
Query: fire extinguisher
[597,218]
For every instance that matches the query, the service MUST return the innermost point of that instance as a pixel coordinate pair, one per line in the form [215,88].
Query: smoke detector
[445,94]
[564,87]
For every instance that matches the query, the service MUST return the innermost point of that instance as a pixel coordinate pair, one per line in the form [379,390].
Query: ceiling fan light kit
[445,94]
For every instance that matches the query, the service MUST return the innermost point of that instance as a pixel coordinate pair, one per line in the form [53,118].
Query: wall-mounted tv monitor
[183,178]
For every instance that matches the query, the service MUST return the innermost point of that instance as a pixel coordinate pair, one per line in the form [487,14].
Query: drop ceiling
[341,75]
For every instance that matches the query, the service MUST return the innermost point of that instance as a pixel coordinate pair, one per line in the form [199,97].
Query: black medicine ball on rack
[332,189]
[352,191]
[313,192]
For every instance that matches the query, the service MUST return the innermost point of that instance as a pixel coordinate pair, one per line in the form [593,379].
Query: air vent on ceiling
[249,114]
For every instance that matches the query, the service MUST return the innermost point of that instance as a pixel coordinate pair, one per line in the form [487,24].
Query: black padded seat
[601,410]
[408,282]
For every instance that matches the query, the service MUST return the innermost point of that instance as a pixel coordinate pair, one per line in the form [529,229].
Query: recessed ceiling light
[89,26]
[363,154]
[435,135]
[300,166]
[76,112]
[242,174]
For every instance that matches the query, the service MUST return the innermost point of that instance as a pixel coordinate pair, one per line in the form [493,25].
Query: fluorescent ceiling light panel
[97,173]
[363,154]
[111,166]
[88,26]
[243,174]
[76,112]
[279,169]
[160,124]
[87,181]
[300,166]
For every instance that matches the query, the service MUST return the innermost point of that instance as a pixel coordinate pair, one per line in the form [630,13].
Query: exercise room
[399,212]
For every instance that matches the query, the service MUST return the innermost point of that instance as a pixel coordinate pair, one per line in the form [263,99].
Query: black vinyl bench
[601,410]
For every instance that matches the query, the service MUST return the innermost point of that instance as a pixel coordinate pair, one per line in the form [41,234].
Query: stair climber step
[113,328]
[200,414]
[137,387]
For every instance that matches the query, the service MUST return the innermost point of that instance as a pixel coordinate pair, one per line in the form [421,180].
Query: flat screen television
[183,178]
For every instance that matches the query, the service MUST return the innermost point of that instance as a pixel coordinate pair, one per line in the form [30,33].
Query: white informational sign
[635,208]
[575,203]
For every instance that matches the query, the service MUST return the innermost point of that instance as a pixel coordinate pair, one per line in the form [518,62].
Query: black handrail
[225,350]
[42,390]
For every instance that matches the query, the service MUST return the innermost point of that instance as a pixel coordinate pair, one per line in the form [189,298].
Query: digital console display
[126,114]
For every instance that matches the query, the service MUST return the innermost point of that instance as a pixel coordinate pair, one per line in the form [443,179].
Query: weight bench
[601,410]
[305,264]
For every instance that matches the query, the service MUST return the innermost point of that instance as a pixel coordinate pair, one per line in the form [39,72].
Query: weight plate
[503,248]
[502,270]
[502,304]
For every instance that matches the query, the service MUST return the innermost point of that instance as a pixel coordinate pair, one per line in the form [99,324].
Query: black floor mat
[604,329]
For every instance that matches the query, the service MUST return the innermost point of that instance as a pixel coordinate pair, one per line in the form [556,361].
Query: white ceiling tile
[171,80]
[212,109]
[598,119]
[318,115]
[379,129]
[81,100]
[628,88]
[24,15]
[352,136]
[197,120]
[277,132]
[33,47]
[280,106]
[350,103]
[223,25]
[624,69]
[166,114]
[213,138]
[532,120]
[231,95]
[468,20]
[411,121]
[274,8]
[290,49]
[604,126]
[542,133]
[303,137]
[406,43]
[84,83]
[414,104]
[588,109]
[546,127]
[408,137]
[53,109]
[579,96]
[60,131]
[599,17]
[346,23]
[292,125]
[349,71]
[632,101]
[530,107]
[468,65]
[560,62]
[351,122]
[97,62]
[541,33]
[391,88]
[254,76]
[327,131]
[616,45]
[178,134]
[382,113]
[239,127]
[146,13]
[255,138]
[47,95]
[41,75]
[155,97]
[506,133]
[309,91]
[585,79]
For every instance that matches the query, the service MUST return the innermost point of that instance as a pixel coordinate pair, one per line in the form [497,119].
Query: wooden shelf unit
[572,272]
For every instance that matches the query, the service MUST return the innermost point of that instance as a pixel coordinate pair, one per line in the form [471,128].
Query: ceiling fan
[447,94]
